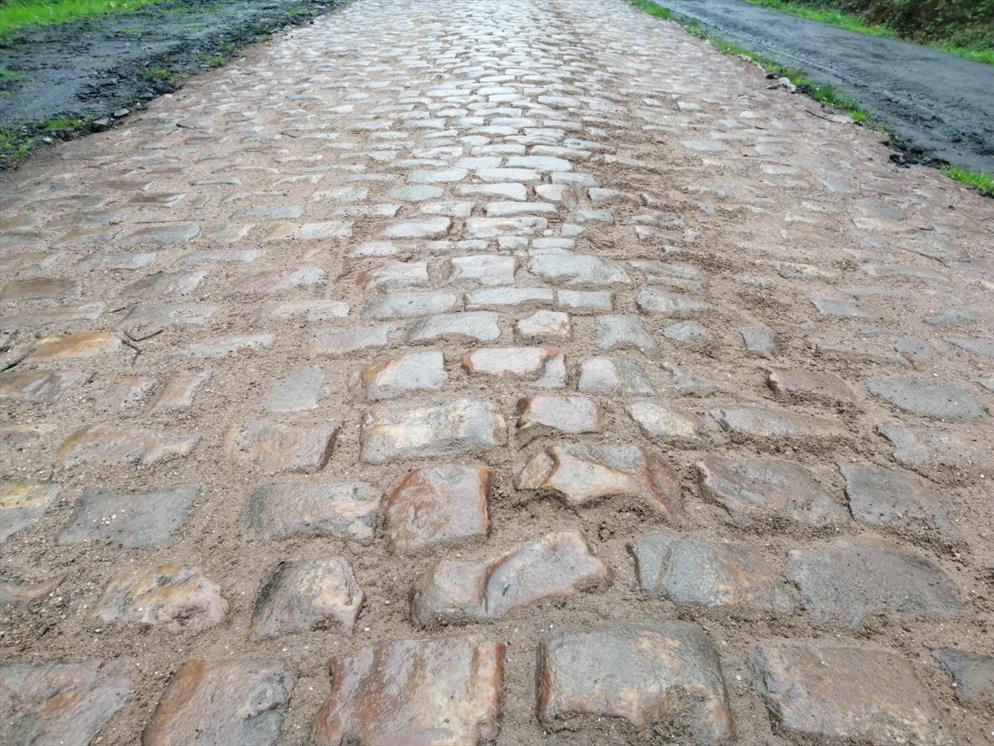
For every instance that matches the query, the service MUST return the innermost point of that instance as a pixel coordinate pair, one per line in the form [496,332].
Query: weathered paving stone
[398,431]
[973,675]
[577,269]
[978,347]
[622,331]
[116,261]
[347,510]
[61,703]
[924,397]
[654,300]
[761,342]
[485,269]
[657,421]
[607,375]
[350,339]
[845,309]
[162,315]
[416,193]
[305,595]
[299,390]
[690,333]
[851,582]
[692,570]
[309,310]
[460,591]
[847,694]
[480,326]
[406,305]
[419,228]
[167,233]
[806,384]
[442,504]
[180,390]
[111,446]
[415,371]
[394,275]
[273,282]
[444,691]
[586,301]
[894,498]
[511,362]
[761,423]
[230,345]
[129,518]
[322,230]
[527,225]
[543,415]
[508,297]
[61,315]
[274,447]
[127,391]
[544,325]
[767,490]
[169,284]
[83,344]
[176,598]
[581,474]
[663,677]
[22,504]
[930,448]
[37,288]
[222,702]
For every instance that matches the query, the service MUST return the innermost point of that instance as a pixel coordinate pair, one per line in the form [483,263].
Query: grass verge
[16,14]
[983,183]
[854,23]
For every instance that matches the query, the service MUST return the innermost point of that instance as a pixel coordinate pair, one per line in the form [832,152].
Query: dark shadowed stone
[931,398]
[444,691]
[347,510]
[109,445]
[582,474]
[691,570]
[848,695]
[663,678]
[850,582]
[305,595]
[23,504]
[440,504]
[895,498]
[138,518]
[758,422]
[222,702]
[60,703]
[274,447]
[767,489]
[459,591]
[973,675]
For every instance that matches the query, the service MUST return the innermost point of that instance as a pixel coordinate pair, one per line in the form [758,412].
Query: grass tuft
[983,183]
[16,14]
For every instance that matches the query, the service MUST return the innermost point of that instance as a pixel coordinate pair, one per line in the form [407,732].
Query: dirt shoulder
[73,77]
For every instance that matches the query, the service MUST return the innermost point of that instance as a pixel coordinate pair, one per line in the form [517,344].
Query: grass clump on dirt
[15,14]
[964,28]
[983,183]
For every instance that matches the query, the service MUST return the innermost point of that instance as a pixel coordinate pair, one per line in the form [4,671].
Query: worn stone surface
[340,509]
[441,504]
[129,518]
[439,691]
[299,390]
[796,384]
[890,497]
[37,386]
[930,448]
[924,397]
[657,421]
[663,677]
[352,339]
[605,375]
[553,325]
[848,694]
[481,326]
[110,446]
[274,448]
[758,422]
[81,345]
[458,591]
[222,701]
[543,415]
[973,674]
[23,504]
[415,371]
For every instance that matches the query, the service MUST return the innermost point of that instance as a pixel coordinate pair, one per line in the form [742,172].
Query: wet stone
[622,331]
[847,694]
[274,447]
[443,691]
[577,269]
[38,288]
[306,595]
[43,387]
[581,474]
[894,498]
[129,518]
[757,422]
[973,675]
[767,490]
[346,510]
[663,677]
[851,582]
[790,385]
[442,504]
[83,344]
[406,305]
[222,702]
[461,591]
[654,300]
[692,570]
[480,326]
[178,599]
[180,390]
[394,275]
[299,390]
[351,339]
[540,416]
[109,445]
[415,371]
[924,397]
[657,421]
[61,703]
[395,431]
[544,325]
[606,375]
[230,345]
[485,269]
[22,504]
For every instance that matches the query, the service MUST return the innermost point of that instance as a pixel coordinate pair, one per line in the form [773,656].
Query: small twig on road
[16,361]
[133,338]
[122,308]
[827,119]
[133,346]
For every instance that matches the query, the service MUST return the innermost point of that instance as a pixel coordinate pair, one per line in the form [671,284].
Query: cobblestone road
[520,371]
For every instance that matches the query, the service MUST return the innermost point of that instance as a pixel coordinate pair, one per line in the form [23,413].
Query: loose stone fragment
[111,446]
[274,447]
[620,331]
[606,375]
[972,673]
[480,326]
[22,504]
[129,518]
[539,416]
[178,599]
[756,422]
[582,474]
[305,595]
[544,325]
[805,384]
[460,591]
[346,510]
[83,344]
[849,582]
[415,371]
[444,691]
[351,339]
[222,702]
[441,504]
[447,428]
[769,490]
[180,389]
[894,498]
[662,677]
[842,694]
[61,703]
[690,570]
[658,421]
[931,398]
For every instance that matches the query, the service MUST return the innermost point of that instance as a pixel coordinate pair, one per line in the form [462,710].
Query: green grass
[15,14]
[14,146]
[983,183]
